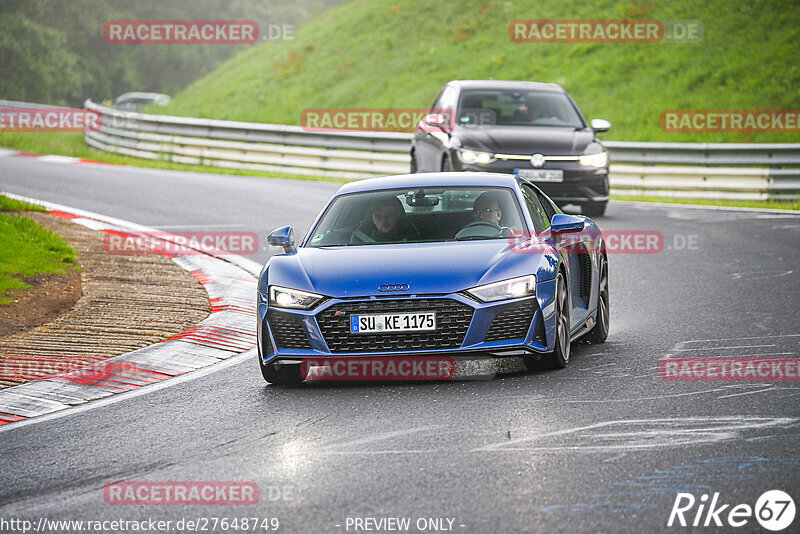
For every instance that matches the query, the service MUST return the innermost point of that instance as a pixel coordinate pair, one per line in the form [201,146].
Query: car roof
[430,179]
[507,84]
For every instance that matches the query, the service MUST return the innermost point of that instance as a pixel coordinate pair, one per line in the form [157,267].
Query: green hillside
[53,51]
[396,53]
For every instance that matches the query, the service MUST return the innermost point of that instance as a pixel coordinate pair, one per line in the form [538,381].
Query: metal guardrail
[243,145]
[705,182]
[707,170]
[26,105]
[751,154]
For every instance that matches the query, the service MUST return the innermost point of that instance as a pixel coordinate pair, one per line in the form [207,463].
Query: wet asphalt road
[604,445]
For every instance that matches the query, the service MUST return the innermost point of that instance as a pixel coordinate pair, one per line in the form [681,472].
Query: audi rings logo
[394,287]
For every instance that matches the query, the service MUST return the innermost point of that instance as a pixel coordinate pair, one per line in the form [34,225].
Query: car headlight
[474,156]
[282,297]
[514,288]
[594,160]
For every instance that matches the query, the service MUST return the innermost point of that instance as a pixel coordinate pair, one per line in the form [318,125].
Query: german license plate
[541,175]
[392,322]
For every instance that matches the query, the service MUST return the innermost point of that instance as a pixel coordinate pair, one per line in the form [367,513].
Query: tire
[559,358]
[283,375]
[414,166]
[599,332]
[594,209]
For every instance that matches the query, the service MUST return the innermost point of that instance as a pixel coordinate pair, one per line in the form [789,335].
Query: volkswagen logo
[537,160]
[394,287]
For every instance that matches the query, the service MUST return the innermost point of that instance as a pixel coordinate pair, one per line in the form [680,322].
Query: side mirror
[566,224]
[600,125]
[435,120]
[282,237]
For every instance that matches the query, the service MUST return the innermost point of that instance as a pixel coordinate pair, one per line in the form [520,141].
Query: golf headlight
[282,297]
[594,160]
[515,288]
[473,156]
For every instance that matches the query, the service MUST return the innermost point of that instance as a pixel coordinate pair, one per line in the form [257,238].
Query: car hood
[526,140]
[357,271]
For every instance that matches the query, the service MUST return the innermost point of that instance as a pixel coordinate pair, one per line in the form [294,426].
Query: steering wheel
[481,230]
[490,224]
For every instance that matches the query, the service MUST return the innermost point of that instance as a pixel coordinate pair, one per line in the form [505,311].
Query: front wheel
[559,358]
[599,332]
[284,375]
[594,209]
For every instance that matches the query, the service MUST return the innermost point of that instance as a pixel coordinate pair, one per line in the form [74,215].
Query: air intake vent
[513,321]
[288,330]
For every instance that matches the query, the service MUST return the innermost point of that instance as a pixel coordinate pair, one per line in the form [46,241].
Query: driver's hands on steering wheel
[482,223]
[503,231]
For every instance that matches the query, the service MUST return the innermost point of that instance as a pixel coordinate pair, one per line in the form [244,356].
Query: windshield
[419,216]
[500,107]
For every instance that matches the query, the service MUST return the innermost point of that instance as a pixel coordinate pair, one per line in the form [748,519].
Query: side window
[438,102]
[445,100]
[549,209]
[449,97]
[538,214]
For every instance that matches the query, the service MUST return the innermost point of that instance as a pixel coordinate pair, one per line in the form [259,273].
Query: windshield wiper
[475,238]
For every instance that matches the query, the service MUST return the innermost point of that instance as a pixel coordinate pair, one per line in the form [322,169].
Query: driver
[487,208]
[486,216]
[387,223]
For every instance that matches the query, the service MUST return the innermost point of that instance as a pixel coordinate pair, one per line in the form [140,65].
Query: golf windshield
[495,107]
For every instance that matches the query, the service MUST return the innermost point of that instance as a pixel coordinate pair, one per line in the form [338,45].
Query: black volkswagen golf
[531,129]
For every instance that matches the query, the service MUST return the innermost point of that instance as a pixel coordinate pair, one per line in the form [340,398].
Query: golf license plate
[541,175]
[392,322]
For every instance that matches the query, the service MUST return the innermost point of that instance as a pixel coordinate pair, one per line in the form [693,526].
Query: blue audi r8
[435,264]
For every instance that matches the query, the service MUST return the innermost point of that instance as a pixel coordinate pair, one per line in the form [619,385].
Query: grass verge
[28,249]
[762,204]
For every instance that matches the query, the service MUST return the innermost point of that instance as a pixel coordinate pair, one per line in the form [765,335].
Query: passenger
[387,223]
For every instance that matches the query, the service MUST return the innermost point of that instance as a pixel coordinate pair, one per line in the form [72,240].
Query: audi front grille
[452,322]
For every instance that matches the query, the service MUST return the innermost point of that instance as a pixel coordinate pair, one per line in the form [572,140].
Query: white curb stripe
[229,330]
[58,159]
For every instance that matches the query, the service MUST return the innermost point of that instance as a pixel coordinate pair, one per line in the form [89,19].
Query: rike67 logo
[774,510]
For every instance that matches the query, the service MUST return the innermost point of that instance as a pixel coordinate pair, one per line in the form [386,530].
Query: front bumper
[467,327]
[581,184]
